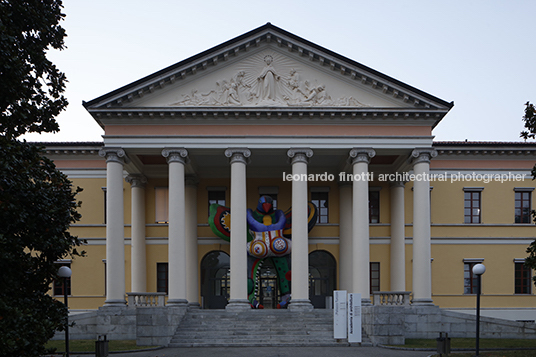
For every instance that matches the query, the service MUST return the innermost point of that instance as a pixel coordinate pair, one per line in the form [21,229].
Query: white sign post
[340,323]
[354,318]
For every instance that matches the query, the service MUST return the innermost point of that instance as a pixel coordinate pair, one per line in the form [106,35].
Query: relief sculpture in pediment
[266,80]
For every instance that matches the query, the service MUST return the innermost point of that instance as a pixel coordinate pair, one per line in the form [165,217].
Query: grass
[89,345]
[494,354]
[485,343]
[470,343]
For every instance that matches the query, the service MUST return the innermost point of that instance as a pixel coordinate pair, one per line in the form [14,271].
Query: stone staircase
[216,328]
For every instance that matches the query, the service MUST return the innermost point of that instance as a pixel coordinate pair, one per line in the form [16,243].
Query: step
[218,328]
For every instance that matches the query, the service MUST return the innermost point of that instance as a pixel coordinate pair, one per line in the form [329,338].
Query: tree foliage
[37,201]
[37,205]
[529,120]
[31,86]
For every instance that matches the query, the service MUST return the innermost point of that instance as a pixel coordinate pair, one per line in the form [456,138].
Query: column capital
[398,183]
[361,155]
[299,155]
[345,183]
[238,155]
[419,155]
[136,180]
[113,155]
[191,180]
[176,155]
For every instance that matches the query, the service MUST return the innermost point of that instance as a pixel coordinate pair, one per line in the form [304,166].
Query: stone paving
[273,352]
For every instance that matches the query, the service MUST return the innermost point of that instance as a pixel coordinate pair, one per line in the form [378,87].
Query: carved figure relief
[266,80]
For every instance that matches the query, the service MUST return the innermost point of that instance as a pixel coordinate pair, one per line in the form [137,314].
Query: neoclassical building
[271,114]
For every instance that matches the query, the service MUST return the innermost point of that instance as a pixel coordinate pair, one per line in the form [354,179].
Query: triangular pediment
[267,68]
[268,77]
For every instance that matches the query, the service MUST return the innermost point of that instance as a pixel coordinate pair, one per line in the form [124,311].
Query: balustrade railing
[146,299]
[391,298]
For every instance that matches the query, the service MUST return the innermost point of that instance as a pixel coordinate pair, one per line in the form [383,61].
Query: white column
[345,236]
[176,159]
[300,237]
[138,265]
[422,269]
[192,265]
[115,227]
[238,158]
[398,236]
[360,223]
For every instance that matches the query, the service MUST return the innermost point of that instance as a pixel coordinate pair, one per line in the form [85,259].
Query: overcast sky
[479,54]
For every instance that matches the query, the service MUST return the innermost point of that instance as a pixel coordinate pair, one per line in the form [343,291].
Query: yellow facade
[452,240]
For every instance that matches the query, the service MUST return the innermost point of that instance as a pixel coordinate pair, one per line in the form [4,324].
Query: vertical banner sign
[339,315]
[354,318]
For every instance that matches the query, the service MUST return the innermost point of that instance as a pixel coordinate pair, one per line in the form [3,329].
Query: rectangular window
[320,199]
[162,277]
[523,207]
[58,283]
[470,281]
[161,201]
[374,277]
[472,206]
[523,279]
[374,206]
[216,197]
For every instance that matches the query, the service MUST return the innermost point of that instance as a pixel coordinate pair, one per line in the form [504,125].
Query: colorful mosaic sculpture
[269,237]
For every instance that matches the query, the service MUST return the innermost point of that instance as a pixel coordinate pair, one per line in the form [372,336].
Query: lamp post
[478,270]
[65,272]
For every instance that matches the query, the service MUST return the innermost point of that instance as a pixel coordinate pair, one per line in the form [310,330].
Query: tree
[31,86]
[37,201]
[529,120]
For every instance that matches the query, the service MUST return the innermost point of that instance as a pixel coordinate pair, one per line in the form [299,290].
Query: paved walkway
[274,352]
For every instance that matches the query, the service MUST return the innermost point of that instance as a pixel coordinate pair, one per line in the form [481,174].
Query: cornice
[482,152]
[73,151]
[71,148]
[217,115]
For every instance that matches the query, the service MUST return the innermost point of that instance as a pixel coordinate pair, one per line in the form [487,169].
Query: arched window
[322,277]
[215,280]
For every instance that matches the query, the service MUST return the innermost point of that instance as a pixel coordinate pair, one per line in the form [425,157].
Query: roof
[267,32]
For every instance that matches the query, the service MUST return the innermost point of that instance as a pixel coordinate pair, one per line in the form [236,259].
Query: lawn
[494,354]
[470,343]
[485,343]
[89,345]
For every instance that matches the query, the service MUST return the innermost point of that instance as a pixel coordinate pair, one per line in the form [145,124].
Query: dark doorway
[322,278]
[269,291]
[215,280]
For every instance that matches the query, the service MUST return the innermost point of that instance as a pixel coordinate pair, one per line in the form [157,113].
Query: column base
[194,305]
[422,302]
[300,305]
[115,303]
[236,305]
[177,302]
[366,302]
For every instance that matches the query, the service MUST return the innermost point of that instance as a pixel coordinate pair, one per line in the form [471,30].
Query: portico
[353,239]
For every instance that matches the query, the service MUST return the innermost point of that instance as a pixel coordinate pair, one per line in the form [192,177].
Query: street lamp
[65,272]
[478,270]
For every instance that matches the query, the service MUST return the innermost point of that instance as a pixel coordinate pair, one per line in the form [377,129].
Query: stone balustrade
[391,298]
[146,299]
